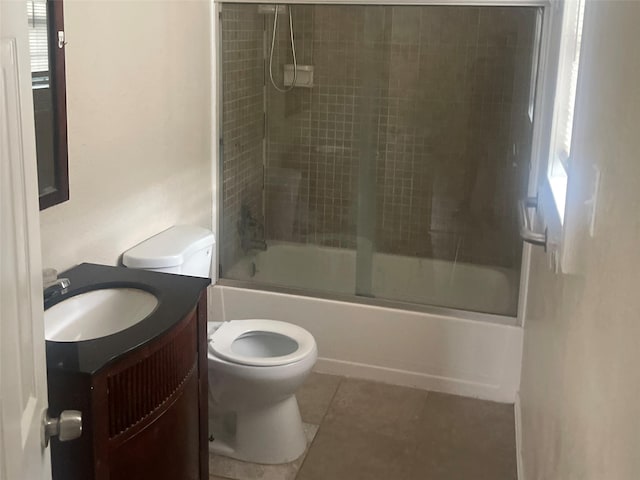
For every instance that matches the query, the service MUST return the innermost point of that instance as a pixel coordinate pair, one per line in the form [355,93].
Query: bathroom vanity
[142,391]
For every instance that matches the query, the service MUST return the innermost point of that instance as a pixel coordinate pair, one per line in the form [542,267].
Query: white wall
[580,389]
[138,96]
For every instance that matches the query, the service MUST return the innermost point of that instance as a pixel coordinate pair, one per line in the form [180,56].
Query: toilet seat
[222,339]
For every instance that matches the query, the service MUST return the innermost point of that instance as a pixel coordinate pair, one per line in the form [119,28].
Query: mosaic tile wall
[434,98]
[243,124]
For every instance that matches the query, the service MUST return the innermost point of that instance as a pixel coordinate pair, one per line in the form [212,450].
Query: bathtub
[445,350]
[421,281]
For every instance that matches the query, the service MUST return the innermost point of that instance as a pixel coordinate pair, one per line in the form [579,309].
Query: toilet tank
[182,249]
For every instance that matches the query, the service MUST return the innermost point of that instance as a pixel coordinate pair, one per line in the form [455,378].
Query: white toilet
[255,366]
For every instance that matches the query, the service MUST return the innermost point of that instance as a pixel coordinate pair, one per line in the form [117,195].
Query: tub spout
[252,244]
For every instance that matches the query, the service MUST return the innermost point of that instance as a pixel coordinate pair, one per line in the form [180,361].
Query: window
[562,129]
[37,16]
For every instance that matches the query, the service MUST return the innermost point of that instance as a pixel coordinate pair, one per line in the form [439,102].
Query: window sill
[557,185]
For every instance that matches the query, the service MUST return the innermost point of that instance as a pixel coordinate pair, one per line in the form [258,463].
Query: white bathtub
[466,354]
[395,277]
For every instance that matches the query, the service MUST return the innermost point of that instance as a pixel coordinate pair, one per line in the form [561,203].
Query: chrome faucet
[53,286]
[251,244]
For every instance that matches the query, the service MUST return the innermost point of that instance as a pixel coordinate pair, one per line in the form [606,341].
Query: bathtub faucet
[251,231]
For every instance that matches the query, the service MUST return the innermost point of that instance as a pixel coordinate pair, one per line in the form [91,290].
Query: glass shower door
[452,156]
[392,169]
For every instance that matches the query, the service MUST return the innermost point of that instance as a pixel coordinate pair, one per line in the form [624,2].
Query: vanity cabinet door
[167,448]
[152,401]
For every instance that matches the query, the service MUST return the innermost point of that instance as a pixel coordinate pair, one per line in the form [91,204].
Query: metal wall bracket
[61,39]
[526,230]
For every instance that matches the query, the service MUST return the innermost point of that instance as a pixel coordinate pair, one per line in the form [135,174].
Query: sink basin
[97,313]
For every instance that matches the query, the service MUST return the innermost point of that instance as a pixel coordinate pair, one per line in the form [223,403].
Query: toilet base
[270,435]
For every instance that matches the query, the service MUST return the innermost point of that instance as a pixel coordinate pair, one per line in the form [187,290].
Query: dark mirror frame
[60,192]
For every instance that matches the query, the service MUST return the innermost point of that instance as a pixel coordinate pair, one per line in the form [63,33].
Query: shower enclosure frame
[542,110]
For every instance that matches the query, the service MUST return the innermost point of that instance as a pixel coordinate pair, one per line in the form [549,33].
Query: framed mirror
[47,44]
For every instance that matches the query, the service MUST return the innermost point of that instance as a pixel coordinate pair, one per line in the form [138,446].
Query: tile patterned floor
[368,430]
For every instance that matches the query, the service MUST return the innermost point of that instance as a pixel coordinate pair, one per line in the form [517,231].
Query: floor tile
[462,438]
[377,407]
[368,433]
[376,431]
[315,396]
[347,453]
[238,470]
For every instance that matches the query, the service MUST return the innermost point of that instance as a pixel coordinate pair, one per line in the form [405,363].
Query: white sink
[97,313]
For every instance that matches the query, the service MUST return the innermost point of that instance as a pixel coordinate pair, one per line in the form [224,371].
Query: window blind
[567,96]
[38,35]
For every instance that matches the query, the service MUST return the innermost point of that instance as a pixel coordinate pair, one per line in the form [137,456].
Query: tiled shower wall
[435,99]
[243,124]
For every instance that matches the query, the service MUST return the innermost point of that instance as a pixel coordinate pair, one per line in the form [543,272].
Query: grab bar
[526,231]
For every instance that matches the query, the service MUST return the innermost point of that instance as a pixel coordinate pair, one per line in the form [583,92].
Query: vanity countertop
[177,296]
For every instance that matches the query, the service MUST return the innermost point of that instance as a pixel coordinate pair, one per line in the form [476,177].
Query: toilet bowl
[255,368]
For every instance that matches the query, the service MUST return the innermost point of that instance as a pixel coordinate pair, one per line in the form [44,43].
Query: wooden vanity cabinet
[144,414]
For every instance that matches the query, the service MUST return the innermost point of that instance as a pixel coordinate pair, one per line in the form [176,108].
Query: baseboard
[414,379]
[518,420]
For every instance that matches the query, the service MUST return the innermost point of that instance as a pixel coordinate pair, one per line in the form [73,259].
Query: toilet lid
[261,343]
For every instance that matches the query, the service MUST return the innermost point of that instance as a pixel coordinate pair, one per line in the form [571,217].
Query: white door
[23,387]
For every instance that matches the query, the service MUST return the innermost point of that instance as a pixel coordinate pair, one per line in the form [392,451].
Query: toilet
[255,366]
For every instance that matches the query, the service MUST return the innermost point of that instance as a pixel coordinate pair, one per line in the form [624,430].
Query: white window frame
[551,162]
[564,104]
